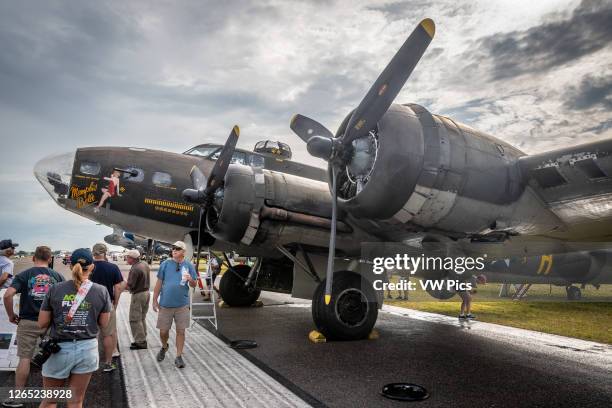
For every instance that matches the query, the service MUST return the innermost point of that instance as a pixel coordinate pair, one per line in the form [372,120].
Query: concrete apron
[214,376]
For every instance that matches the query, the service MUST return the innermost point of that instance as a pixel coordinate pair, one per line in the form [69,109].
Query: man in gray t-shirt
[84,324]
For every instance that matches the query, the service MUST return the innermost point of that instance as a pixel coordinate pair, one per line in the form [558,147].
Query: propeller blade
[198,179]
[217,174]
[332,241]
[306,128]
[380,96]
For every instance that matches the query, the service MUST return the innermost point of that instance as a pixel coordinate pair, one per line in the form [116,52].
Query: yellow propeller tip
[429,26]
[237,130]
[327,299]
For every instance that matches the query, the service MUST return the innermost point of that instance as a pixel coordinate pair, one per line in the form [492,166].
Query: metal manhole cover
[243,344]
[404,392]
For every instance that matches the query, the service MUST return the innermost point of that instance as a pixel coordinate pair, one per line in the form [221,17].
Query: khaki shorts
[180,315]
[28,338]
[112,324]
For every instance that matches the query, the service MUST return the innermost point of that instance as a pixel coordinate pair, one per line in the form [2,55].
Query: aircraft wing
[575,182]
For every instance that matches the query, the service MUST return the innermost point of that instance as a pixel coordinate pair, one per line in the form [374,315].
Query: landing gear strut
[149,251]
[573,293]
[353,309]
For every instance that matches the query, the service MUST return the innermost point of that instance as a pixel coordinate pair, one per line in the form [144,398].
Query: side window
[238,157]
[256,161]
[91,168]
[133,174]
[162,179]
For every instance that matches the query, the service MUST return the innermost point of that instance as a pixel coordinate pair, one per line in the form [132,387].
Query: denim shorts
[75,357]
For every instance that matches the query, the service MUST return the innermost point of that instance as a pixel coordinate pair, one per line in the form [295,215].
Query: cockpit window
[133,174]
[162,179]
[238,157]
[203,151]
[91,168]
[256,160]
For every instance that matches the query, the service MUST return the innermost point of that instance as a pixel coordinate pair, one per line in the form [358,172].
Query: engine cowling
[383,170]
[416,171]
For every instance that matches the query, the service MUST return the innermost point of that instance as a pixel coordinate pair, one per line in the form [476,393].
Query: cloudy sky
[173,74]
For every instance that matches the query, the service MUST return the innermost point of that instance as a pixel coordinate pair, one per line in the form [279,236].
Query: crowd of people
[64,320]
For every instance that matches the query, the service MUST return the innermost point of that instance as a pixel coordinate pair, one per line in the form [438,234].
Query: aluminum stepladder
[206,309]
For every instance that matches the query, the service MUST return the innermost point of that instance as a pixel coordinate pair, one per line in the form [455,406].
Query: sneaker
[162,354]
[109,367]
[138,346]
[462,316]
[116,353]
[470,316]
[11,403]
[179,363]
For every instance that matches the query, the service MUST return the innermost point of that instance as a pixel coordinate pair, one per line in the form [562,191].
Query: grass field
[544,309]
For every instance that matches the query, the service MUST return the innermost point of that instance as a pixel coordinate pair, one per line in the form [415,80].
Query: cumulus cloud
[172,75]
[591,92]
[551,44]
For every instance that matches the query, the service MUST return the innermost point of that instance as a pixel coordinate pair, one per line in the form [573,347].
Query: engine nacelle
[119,240]
[418,171]
[253,195]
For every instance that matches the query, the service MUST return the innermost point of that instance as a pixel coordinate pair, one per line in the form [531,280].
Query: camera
[47,347]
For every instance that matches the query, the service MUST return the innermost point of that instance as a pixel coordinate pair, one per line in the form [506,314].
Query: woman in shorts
[74,309]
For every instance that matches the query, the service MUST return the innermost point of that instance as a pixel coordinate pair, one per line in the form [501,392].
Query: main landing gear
[233,289]
[352,311]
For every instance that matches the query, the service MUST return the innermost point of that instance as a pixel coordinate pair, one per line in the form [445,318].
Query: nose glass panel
[54,173]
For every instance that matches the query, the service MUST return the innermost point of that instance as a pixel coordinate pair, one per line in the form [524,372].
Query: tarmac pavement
[460,366]
[475,365]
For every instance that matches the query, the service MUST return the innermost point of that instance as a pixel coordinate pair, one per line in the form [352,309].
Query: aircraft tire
[573,293]
[348,316]
[232,288]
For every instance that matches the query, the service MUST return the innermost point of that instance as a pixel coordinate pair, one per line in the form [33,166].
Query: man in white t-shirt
[7,249]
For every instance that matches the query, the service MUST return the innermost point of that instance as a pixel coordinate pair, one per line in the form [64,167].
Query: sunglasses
[177,249]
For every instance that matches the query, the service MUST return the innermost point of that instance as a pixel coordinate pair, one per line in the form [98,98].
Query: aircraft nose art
[53,173]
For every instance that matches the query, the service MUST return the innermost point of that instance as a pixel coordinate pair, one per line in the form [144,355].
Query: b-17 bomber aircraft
[397,173]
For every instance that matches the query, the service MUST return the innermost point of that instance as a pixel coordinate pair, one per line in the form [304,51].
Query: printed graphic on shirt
[79,321]
[39,285]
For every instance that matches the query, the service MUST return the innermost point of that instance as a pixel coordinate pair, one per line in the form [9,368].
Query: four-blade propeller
[321,143]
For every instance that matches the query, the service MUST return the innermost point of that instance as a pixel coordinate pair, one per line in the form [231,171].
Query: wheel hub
[351,307]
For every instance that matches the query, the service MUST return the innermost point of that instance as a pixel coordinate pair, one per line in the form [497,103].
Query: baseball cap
[82,256]
[99,249]
[179,244]
[133,253]
[7,243]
